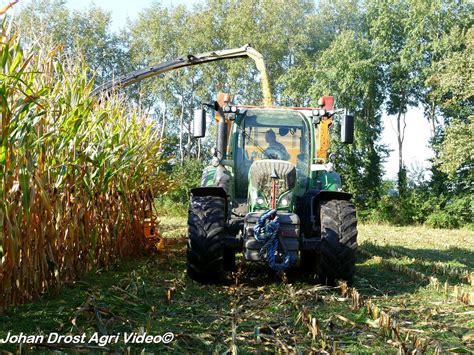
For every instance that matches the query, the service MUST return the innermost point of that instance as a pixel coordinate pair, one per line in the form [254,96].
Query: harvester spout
[190,60]
[264,80]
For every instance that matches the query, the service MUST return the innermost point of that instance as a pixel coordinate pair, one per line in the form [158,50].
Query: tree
[216,25]
[349,71]
[456,151]
[450,80]
[389,23]
[84,33]
[440,33]
[452,88]
[175,94]
[372,55]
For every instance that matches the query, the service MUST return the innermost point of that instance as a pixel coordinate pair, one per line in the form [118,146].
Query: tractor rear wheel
[206,227]
[338,241]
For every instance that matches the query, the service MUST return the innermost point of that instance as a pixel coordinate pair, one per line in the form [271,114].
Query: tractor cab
[264,138]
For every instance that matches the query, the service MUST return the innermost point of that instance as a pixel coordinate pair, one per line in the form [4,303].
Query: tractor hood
[264,175]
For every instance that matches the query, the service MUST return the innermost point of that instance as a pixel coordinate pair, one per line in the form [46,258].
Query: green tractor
[271,191]
[272,194]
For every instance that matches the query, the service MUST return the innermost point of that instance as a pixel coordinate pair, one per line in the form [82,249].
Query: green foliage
[400,209]
[349,70]
[183,177]
[420,205]
[442,219]
[388,211]
[450,77]
[456,213]
[84,33]
[456,149]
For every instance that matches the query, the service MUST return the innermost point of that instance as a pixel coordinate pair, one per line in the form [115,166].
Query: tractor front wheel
[338,241]
[205,251]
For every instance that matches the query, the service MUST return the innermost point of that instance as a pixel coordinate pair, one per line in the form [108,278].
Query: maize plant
[77,176]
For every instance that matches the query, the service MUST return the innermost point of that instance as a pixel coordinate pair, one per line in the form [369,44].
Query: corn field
[77,175]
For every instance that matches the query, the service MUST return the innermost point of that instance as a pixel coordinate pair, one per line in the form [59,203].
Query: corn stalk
[77,176]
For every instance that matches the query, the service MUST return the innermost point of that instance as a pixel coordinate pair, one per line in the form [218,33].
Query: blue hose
[266,231]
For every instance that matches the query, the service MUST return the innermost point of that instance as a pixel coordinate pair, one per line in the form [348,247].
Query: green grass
[257,310]
[173,227]
[166,207]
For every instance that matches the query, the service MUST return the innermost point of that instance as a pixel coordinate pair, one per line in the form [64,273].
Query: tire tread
[339,241]
[206,228]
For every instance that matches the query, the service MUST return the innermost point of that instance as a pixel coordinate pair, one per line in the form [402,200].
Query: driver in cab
[275,150]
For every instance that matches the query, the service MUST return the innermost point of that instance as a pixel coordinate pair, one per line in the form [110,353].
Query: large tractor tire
[338,241]
[205,252]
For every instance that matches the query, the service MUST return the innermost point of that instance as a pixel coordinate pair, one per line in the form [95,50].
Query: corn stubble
[77,176]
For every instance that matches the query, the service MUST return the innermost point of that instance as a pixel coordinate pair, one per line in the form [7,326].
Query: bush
[184,178]
[418,206]
[392,210]
[456,213]
[442,219]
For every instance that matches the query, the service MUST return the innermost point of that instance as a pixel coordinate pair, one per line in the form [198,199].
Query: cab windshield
[271,134]
[275,134]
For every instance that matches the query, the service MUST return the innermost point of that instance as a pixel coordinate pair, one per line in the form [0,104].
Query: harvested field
[413,291]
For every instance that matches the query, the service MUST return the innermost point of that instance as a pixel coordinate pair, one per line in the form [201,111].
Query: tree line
[376,57]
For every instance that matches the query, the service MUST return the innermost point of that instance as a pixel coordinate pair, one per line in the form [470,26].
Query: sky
[415,151]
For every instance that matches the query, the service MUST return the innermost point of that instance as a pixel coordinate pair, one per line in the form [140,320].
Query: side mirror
[199,123]
[347,129]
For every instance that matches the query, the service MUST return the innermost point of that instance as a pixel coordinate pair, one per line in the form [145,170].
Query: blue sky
[416,150]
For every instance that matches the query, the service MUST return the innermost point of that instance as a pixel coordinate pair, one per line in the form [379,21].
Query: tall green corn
[76,175]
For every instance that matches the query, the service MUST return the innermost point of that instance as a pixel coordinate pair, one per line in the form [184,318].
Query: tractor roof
[278,108]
